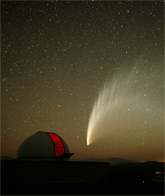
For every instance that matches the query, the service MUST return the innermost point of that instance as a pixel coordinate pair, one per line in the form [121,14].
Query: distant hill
[112,160]
[153,162]
[120,160]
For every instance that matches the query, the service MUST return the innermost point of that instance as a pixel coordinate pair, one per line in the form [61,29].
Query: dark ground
[124,179]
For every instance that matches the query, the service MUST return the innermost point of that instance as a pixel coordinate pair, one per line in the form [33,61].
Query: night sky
[56,58]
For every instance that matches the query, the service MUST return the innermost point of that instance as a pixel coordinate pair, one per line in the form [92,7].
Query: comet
[124,95]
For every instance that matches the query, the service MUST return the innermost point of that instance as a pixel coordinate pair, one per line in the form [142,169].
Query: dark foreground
[81,189]
[126,179]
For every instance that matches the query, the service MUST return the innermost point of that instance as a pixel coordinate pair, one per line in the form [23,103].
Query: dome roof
[44,145]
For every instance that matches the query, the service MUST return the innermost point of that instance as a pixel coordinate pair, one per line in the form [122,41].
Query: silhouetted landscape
[113,160]
[125,177]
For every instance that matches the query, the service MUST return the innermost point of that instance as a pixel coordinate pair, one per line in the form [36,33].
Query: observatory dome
[44,145]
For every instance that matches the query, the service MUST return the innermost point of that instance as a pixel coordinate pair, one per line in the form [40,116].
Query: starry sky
[56,58]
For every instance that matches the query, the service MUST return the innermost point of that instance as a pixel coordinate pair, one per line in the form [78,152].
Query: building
[43,158]
[44,145]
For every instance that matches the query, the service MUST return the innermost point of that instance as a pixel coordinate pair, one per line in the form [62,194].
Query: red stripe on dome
[59,146]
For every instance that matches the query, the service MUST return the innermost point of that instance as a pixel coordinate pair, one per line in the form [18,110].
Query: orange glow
[161,160]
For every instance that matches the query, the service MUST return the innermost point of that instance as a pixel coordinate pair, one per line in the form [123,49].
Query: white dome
[44,145]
